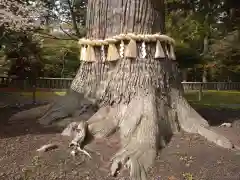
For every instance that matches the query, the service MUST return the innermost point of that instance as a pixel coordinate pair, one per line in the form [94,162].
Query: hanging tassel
[143,50]
[103,53]
[83,53]
[121,50]
[159,50]
[172,53]
[167,51]
[90,54]
[131,50]
[112,53]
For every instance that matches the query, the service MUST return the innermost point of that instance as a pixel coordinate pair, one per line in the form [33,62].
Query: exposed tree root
[228,125]
[70,130]
[72,104]
[64,107]
[47,147]
[108,124]
[216,138]
[144,119]
[139,135]
[192,122]
[33,113]
[137,123]
[79,149]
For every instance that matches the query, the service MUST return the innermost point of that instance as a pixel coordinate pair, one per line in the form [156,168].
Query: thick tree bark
[141,98]
[108,18]
[144,95]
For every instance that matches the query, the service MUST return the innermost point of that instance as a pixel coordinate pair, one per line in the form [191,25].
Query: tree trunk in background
[73,18]
[141,98]
[205,51]
[184,74]
[204,75]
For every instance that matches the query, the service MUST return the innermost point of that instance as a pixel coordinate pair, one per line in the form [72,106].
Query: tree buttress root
[71,105]
[137,124]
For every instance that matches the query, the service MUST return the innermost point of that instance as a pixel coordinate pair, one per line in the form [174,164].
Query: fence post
[218,86]
[200,92]
[33,94]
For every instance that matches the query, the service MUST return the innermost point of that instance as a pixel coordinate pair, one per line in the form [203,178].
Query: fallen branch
[84,152]
[47,147]
[226,125]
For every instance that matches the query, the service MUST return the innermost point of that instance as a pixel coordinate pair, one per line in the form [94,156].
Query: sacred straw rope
[162,51]
[129,36]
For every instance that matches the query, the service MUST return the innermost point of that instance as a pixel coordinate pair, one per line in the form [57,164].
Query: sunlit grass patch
[43,94]
[229,99]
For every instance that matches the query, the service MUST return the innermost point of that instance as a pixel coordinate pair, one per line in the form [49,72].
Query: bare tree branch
[51,36]
[68,33]
[74,20]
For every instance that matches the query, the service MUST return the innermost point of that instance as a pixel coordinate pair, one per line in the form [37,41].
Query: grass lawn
[215,99]
[44,94]
[210,99]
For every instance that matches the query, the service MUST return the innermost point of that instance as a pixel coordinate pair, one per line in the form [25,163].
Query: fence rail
[64,83]
[188,86]
[45,83]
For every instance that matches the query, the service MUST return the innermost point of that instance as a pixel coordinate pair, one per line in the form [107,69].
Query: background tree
[39,24]
[22,52]
[226,53]
[61,23]
[65,16]
[199,24]
[20,15]
[60,58]
[18,44]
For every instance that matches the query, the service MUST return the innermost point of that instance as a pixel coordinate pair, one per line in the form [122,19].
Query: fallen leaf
[172,178]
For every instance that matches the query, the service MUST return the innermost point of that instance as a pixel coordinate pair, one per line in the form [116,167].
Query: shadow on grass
[217,116]
[215,98]
[21,127]
[216,106]
[64,105]
[13,102]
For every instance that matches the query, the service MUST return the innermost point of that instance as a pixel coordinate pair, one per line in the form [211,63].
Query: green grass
[210,99]
[215,99]
[43,94]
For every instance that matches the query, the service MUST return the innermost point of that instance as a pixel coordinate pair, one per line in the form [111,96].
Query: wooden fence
[219,86]
[64,83]
[41,83]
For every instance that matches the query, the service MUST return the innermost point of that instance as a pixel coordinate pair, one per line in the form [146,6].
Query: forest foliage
[40,37]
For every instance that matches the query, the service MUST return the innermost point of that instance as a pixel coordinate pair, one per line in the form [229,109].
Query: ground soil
[186,155]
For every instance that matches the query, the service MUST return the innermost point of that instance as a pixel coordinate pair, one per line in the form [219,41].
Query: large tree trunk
[142,97]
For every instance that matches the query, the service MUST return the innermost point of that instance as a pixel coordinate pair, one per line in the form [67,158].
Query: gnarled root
[63,107]
[47,147]
[33,113]
[70,130]
[139,136]
[192,122]
[137,159]
[72,104]
[100,125]
[105,121]
[214,137]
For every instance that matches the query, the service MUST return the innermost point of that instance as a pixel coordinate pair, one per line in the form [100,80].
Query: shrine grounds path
[186,157]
